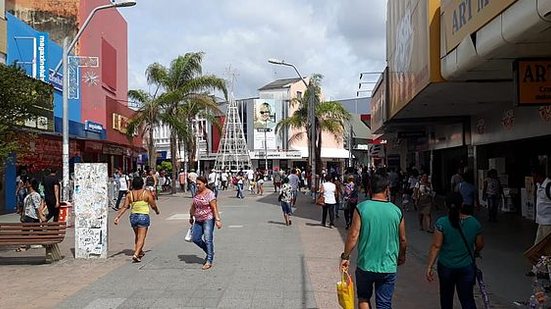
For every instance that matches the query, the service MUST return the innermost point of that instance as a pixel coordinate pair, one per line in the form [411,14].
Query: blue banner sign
[93,126]
[42,56]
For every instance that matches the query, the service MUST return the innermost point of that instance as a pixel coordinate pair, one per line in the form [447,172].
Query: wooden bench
[48,234]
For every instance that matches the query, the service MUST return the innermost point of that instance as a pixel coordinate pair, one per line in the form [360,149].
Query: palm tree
[330,116]
[145,120]
[185,97]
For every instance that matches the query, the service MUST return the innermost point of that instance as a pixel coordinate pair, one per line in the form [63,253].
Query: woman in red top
[205,211]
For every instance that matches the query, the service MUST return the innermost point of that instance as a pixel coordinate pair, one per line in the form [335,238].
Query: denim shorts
[382,282]
[139,220]
[286,207]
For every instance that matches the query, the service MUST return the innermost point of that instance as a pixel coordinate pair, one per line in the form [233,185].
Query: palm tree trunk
[173,160]
[151,149]
[318,147]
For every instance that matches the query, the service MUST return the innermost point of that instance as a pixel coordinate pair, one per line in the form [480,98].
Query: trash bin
[65,213]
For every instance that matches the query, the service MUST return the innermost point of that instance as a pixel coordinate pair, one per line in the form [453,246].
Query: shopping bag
[345,291]
[320,200]
[482,288]
[189,235]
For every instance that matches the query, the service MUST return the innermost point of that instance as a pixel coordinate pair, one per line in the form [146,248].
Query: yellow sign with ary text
[461,18]
[533,81]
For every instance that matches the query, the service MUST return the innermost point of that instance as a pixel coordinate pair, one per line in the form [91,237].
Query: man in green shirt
[379,230]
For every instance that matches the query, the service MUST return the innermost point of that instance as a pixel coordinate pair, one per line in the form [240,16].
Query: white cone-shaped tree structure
[232,151]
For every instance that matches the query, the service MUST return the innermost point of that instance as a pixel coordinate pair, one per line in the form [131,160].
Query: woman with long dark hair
[203,215]
[138,200]
[457,236]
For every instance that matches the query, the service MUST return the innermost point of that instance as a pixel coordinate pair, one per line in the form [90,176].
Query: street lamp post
[65,105]
[311,122]
[266,147]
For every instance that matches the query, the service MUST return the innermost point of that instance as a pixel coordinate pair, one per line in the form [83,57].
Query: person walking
[240,183]
[492,192]
[350,199]
[33,205]
[224,176]
[182,180]
[259,179]
[457,236]
[423,198]
[543,205]
[468,191]
[285,197]
[139,200]
[203,215]
[213,182]
[329,191]
[277,181]
[378,229]
[52,195]
[192,178]
[294,181]
[123,183]
[151,183]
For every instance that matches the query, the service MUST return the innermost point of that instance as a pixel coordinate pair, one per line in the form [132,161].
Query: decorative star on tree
[90,78]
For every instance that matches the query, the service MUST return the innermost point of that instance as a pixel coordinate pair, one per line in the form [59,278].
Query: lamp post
[67,47]
[265,142]
[311,122]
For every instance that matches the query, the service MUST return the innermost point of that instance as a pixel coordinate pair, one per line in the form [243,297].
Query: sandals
[136,259]
[206,266]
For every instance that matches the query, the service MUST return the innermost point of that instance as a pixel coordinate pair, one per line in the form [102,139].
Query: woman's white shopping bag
[189,235]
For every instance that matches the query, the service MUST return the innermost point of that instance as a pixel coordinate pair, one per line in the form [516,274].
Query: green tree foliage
[183,93]
[331,117]
[186,95]
[21,98]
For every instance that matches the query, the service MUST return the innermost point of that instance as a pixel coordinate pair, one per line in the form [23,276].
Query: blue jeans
[462,279]
[205,228]
[240,191]
[384,287]
[193,189]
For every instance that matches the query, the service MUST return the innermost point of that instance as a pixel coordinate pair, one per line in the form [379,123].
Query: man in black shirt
[51,195]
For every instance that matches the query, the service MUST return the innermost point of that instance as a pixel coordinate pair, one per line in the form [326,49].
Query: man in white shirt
[224,177]
[250,179]
[213,182]
[124,183]
[294,181]
[192,179]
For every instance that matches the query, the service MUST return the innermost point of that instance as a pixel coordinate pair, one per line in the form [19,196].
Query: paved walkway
[259,263]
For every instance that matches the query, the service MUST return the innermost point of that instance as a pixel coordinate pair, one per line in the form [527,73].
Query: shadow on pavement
[127,252]
[276,222]
[191,259]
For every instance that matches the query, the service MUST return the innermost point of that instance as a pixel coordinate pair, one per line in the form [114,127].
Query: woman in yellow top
[138,200]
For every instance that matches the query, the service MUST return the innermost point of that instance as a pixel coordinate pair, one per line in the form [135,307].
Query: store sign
[276,155]
[533,82]
[56,80]
[93,126]
[42,56]
[379,103]
[120,123]
[461,18]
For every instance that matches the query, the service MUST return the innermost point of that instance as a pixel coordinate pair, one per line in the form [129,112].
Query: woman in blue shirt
[456,270]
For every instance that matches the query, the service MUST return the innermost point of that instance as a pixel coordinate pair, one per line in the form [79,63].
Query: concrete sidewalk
[259,263]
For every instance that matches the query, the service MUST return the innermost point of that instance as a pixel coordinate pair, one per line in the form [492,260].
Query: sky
[336,38]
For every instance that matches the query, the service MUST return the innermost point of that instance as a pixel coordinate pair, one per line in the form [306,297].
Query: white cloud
[338,39]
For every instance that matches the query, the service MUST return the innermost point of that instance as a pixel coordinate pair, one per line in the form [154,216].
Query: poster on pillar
[90,202]
[266,115]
